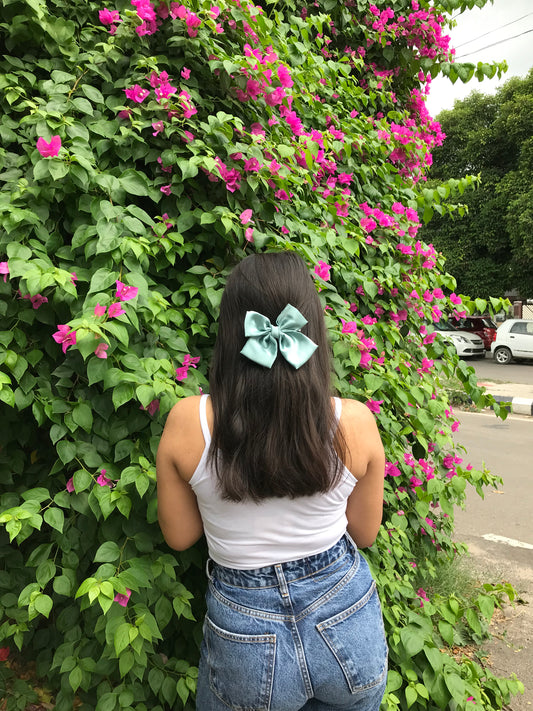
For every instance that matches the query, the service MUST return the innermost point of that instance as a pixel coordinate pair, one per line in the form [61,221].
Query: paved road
[515,372]
[499,534]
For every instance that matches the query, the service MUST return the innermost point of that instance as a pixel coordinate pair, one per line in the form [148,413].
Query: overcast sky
[478,38]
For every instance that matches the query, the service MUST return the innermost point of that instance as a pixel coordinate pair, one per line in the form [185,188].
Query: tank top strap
[338,408]
[203,419]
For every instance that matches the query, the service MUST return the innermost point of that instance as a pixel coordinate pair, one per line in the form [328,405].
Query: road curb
[518,405]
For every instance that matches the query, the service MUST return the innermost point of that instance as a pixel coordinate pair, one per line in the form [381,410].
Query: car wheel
[502,355]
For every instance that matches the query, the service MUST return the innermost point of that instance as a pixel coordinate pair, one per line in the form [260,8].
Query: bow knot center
[275,332]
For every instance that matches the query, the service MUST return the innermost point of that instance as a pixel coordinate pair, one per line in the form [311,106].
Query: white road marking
[508,541]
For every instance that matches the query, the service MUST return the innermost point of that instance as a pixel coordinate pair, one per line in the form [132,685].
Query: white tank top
[249,535]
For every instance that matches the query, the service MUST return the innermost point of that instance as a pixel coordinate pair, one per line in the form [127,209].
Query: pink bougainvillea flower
[115,309]
[349,326]
[125,293]
[164,91]
[100,351]
[246,216]
[49,150]
[70,485]
[423,596]
[103,480]
[152,408]
[322,270]
[136,93]
[391,469]
[64,336]
[190,360]
[181,373]
[252,165]
[4,269]
[158,127]
[123,599]
[185,73]
[282,194]
[374,405]
[37,300]
[284,76]
[455,299]
[99,310]
[108,17]
[249,234]
[368,224]
[166,189]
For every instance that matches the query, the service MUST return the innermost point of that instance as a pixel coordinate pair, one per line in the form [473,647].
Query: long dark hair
[275,433]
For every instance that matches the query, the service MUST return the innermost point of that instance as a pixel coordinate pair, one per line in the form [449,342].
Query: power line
[495,30]
[488,46]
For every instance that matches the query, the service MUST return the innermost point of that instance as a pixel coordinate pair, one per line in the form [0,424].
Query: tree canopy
[489,248]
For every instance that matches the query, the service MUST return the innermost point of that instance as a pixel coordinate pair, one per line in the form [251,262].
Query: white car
[514,339]
[466,344]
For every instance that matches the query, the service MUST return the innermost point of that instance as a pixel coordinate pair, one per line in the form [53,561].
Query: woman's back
[250,534]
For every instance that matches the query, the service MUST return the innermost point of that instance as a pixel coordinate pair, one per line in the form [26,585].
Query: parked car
[514,339]
[482,326]
[466,344]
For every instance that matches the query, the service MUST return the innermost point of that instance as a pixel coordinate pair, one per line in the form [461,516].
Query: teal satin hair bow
[263,338]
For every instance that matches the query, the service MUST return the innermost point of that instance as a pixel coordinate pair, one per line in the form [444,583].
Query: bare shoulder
[183,422]
[363,441]
[185,412]
[356,415]
[182,442]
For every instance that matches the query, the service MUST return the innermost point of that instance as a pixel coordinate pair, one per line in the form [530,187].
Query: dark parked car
[482,326]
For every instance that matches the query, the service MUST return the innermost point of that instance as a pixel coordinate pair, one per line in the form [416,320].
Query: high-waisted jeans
[304,635]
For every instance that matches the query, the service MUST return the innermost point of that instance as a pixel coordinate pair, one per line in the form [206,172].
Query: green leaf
[122,393]
[66,451]
[107,552]
[83,416]
[92,93]
[134,182]
[121,638]
[55,518]
[75,678]
[82,105]
[412,639]
[410,696]
[43,604]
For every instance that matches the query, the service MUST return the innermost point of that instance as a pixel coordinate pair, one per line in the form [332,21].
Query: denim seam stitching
[331,593]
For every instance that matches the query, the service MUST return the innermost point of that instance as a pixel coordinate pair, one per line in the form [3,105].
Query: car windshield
[489,323]
[445,326]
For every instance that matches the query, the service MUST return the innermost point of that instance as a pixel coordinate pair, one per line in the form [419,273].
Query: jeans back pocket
[356,638]
[241,667]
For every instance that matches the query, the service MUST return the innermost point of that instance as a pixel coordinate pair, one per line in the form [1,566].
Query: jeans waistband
[292,569]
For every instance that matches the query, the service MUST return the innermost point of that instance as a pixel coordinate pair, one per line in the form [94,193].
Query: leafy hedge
[145,150]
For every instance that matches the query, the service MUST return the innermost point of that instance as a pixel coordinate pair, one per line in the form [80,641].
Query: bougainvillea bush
[145,149]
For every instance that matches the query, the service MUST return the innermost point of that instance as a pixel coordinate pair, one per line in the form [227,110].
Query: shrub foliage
[145,150]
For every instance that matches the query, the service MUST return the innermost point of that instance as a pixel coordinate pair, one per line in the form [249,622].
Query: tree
[490,248]
[145,150]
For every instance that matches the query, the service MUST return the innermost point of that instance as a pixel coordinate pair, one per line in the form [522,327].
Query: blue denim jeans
[304,635]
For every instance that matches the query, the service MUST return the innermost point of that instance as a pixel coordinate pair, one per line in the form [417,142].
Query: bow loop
[264,339]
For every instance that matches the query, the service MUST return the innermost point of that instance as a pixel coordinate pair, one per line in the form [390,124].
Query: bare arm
[178,455]
[364,508]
